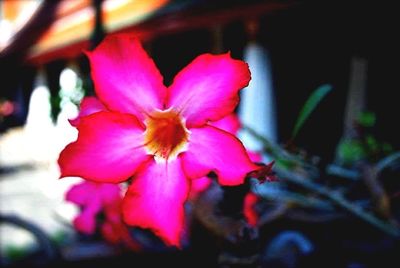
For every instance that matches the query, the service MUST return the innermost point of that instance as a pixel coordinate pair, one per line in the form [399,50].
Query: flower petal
[110,193]
[125,77]
[80,193]
[207,89]
[89,105]
[198,186]
[110,233]
[229,123]
[255,156]
[212,149]
[85,222]
[109,148]
[155,200]
[250,200]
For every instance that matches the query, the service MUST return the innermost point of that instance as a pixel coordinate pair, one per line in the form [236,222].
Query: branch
[338,199]
[387,161]
[279,153]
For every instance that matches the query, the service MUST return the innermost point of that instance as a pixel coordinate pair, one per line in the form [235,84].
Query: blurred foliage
[310,192]
[367,119]
[364,146]
[14,252]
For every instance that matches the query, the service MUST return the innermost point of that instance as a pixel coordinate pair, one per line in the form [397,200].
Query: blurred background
[323,104]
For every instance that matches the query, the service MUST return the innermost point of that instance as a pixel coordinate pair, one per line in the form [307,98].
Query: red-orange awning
[70,32]
[74,23]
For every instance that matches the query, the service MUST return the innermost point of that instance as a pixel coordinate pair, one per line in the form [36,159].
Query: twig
[273,149]
[342,172]
[291,197]
[387,161]
[279,153]
[278,211]
[340,201]
[378,193]
[299,215]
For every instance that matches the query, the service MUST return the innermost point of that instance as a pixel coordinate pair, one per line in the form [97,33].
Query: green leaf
[351,151]
[367,119]
[309,106]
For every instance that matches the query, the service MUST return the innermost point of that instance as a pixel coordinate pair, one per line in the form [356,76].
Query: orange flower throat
[166,135]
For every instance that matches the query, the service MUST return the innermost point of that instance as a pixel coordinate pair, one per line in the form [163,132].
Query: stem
[387,161]
[277,152]
[341,201]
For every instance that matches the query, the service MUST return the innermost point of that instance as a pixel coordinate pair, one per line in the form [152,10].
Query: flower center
[166,135]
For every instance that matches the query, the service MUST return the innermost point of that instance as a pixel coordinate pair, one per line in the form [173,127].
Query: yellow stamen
[166,135]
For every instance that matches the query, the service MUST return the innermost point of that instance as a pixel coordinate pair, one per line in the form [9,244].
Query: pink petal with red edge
[80,193]
[229,123]
[250,200]
[155,200]
[212,149]
[89,105]
[85,222]
[109,148]
[198,186]
[125,78]
[207,89]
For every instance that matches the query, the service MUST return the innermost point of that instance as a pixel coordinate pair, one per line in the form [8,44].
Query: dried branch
[387,161]
[338,199]
[277,212]
[283,196]
[308,172]
[378,194]
[280,153]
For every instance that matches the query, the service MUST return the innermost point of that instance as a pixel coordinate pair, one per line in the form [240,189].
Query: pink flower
[95,198]
[158,136]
